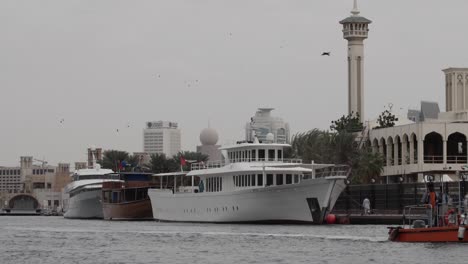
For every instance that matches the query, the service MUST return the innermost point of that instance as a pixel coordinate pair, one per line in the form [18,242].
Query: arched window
[433,148]
[456,148]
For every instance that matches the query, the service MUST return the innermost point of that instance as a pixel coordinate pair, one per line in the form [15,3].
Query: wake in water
[209,233]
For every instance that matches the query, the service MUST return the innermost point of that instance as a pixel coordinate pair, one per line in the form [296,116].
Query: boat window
[279,179]
[253,154]
[107,196]
[269,179]
[261,154]
[142,193]
[271,154]
[296,178]
[259,179]
[129,194]
[280,154]
[115,197]
[252,177]
[243,181]
[288,178]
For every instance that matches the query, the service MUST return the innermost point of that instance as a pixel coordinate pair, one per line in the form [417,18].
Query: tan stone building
[433,142]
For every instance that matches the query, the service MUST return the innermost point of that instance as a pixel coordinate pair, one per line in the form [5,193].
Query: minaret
[355,30]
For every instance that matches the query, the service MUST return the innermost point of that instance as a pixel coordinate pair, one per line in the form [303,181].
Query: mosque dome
[209,136]
[270,137]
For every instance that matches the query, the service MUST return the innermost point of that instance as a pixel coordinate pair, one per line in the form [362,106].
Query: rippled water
[58,240]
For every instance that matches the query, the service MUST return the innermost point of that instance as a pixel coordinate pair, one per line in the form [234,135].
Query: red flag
[182,161]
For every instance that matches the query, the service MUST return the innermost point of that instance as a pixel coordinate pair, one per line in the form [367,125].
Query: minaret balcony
[355,33]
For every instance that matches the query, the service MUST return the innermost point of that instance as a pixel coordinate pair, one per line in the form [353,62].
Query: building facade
[162,137]
[41,183]
[263,123]
[434,143]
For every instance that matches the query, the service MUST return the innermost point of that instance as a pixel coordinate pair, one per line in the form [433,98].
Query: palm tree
[338,148]
[112,158]
[161,164]
[367,166]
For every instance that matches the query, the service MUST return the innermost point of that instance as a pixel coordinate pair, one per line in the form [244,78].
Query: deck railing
[336,170]
[220,163]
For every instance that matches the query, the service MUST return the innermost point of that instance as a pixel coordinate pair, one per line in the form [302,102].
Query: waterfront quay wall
[388,199]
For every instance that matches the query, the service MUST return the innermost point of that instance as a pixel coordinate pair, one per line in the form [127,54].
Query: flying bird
[62,120]
[327,53]
[117,130]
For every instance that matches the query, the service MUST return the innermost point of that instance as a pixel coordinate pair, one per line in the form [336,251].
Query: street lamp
[428,178]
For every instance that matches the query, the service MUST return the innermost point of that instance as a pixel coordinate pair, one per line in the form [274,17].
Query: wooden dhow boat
[128,199]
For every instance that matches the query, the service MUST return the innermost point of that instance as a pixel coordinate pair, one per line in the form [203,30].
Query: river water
[42,239]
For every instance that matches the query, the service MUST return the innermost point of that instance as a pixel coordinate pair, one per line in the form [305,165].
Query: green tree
[367,166]
[112,158]
[161,164]
[386,119]
[338,148]
[350,123]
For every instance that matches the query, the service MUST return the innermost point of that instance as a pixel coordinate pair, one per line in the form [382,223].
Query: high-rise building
[162,137]
[355,31]
[263,123]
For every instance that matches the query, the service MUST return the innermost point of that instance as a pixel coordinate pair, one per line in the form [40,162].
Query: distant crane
[44,163]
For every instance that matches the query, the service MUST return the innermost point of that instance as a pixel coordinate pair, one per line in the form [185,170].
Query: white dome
[270,137]
[209,136]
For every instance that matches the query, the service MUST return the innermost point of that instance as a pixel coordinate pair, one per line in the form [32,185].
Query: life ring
[447,215]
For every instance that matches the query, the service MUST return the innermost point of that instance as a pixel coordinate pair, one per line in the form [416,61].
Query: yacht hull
[135,210]
[85,205]
[305,202]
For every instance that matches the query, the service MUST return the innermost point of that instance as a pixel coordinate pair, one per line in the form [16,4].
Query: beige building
[40,183]
[433,142]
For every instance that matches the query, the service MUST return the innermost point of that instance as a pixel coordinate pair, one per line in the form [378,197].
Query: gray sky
[95,63]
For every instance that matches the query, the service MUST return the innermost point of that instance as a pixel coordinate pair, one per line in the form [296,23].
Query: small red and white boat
[450,229]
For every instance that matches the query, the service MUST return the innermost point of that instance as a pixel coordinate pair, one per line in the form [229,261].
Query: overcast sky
[103,65]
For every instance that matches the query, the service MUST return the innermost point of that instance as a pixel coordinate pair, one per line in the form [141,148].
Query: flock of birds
[188,83]
[117,130]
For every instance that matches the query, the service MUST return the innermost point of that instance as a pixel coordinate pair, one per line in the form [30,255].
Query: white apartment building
[162,137]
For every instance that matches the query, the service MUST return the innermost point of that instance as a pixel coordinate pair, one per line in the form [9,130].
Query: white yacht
[84,193]
[254,183]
